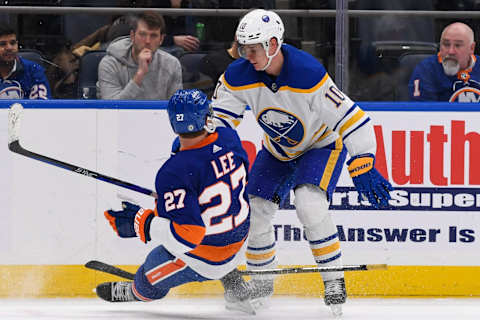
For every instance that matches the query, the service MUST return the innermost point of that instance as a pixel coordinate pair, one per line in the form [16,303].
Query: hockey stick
[107,268]
[14,119]
[361,267]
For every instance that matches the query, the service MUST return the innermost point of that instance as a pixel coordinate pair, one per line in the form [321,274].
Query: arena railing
[342,15]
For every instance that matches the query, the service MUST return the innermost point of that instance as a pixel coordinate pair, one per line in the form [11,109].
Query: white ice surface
[213,308]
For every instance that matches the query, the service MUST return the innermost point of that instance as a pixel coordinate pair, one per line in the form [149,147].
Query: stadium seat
[33,55]
[88,74]
[407,64]
[191,75]
[190,62]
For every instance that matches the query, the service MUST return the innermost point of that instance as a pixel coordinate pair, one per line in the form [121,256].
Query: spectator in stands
[135,69]
[101,38]
[216,62]
[21,78]
[451,75]
[180,33]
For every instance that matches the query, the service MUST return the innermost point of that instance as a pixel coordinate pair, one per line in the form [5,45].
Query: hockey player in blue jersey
[201,217]
[453,74]
[307,121]
[20,78]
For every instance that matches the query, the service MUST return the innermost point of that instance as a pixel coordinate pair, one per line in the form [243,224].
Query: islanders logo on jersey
[11,89]
[466,91]
[282,127]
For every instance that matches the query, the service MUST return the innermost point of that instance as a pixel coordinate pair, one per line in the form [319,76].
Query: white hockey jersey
[300,109]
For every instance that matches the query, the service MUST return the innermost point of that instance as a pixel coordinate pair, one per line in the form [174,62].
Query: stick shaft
[15,146]
[361,267]
[108,268]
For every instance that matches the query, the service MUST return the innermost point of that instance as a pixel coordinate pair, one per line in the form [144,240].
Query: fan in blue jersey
[201,218]
[453,74]
[20,78]
[306,120]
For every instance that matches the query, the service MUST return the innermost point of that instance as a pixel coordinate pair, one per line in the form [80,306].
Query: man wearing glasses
[21,78]
[453,74]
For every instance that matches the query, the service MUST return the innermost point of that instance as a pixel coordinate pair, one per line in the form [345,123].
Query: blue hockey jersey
[430,83]
[28,81]
[202,205]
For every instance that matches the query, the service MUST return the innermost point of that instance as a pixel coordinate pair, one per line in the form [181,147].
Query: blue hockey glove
[131,221]
[368,181]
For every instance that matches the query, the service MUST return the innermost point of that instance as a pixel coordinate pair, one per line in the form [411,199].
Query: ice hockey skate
[335,295]
[237,293]
[116,291]
[261,291]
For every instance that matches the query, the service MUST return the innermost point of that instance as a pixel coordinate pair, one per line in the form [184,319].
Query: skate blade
[243,306]
[336,310]
[261,303]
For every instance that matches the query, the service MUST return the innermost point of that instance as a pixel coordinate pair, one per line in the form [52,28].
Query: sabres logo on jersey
[282,127]
[466,91]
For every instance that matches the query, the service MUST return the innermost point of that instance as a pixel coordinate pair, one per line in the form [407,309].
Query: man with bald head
[453,74]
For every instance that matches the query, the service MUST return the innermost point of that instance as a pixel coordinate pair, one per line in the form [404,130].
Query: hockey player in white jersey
[307,121]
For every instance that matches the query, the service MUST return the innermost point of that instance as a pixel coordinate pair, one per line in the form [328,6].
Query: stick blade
[376,266]
[14,116]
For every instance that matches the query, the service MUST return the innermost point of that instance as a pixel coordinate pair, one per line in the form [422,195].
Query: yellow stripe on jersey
[331,163]
[261,84]
[357,116]
[298,90]
[323,136]
[235,122]
[245,87]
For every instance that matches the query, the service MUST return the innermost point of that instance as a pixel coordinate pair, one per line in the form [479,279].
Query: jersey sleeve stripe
[346,114]
[233,120]
[227,112]
[356,117]
[358,127]
[191,234]
[225,122]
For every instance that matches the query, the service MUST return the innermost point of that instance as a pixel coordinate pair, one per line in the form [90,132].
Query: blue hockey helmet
[190,111]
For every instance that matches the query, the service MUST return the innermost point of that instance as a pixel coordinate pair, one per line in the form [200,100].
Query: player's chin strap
[209,125]
[270,58]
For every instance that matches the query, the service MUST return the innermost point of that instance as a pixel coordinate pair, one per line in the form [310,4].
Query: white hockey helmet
[259,26]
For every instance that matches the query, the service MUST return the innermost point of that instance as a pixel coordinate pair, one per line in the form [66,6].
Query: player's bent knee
[144,290]
[311,204]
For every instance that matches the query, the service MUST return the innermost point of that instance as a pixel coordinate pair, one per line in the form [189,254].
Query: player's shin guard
[312,209]
[261,247]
